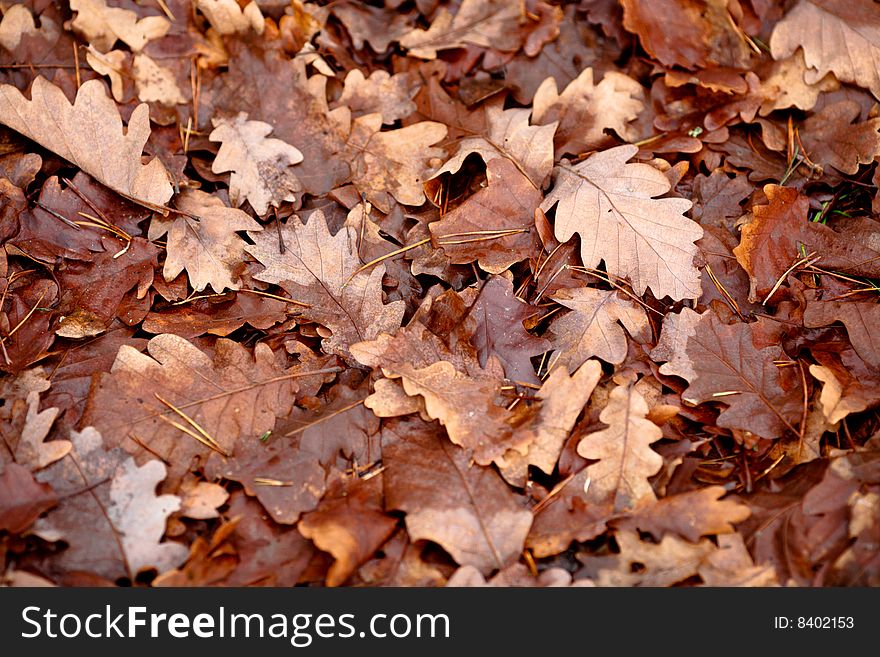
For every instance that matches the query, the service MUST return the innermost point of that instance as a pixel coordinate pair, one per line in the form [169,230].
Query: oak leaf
[22,498]
[509,135]
[585,110]
[32,449]
[494,226]
[322,270]
[203,241]
[389,95]
[691,515]
[838,37]
[499,330]
[116,530]
[830,137]
[102,26]
[728,367]
[625,458]
[89,134]
[486,23]
[260,165]
[350,524]
[468,510]
[229,16]
[17,21]
[860,319]
[393,163]
[233,396]
[611,205]
[155,83]
[594,327]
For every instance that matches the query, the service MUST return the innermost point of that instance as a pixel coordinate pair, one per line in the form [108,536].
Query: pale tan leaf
[393,163]
[389,95]
[260,165]
[90,135]
[838,37]
[510,136]
[835,404]
[155,83]
[732,565]
[207,247]
[389,399]
[611,205]
[585,110]
[17,22]
[486,23]
[563,397]
[669,562]
[595,327]
[111,64]
[229,17]
[201,499]
[786,87]
[102,26]
[625,458]
[32,449]
[321,270]
[671,347]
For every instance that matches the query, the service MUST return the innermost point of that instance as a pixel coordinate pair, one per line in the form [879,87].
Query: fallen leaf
[383,93]
[203,240]
[594,327]
[22,498]
[259,165]
[508,135]
[860,319]
[116,530]
[468,510]
[585,110]
[229,17]
[494,227]
[487,23]
[611,205]
[322,270]
[102,26]
[625,458]
[830,137]
[841,38]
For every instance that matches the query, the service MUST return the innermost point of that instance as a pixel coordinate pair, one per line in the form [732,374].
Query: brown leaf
[321,270]
[116,529]
[499,331]
[836,37]
[691,515]
[389,95]
[22,498]
[687,33]
[31,449]
[487,23]
[786,87]
[860,319]
[625,459]
[728,367]
[393,163]
[830,137]
[349,524]
[594,326]
[508,135]
[206,246]
[260,165]
[466,509]
[89,134]
[229,17]
[585,110]
[610,204]
[494,226]
[562,398]
[664,564]
[732,565]
[102,26]
[234,397]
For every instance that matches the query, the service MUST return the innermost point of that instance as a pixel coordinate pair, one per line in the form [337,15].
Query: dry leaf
[466,509]
[625,458]
[486,23]
[321,270]
[102,26]
[389,95]
[89,134]
[259,164]
[116,530]
[229,17]
[155,83]
[203,241]
[585,110]
[32,449]
[594,326]
[691,515]
[509,135]
[611,205]
[17,22]
[669,562]
[838,37]
[392,163]
[22,498]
